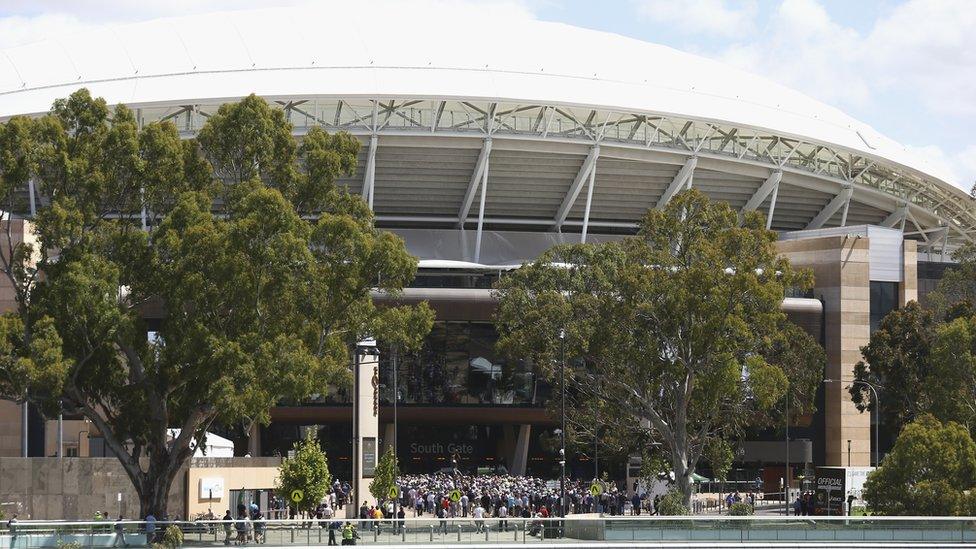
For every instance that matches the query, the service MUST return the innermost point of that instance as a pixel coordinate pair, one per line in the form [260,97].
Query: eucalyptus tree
[178,282]
[677,331]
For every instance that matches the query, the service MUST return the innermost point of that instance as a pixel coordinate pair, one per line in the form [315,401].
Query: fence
[572,530]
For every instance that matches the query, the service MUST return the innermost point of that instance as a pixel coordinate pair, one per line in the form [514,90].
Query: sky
[906,67]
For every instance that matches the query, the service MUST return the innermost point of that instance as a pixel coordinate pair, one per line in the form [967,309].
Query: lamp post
[786,482]
[877,423]
[562,433]
[396,397]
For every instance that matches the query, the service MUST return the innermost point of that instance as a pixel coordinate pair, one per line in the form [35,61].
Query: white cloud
[960,165]
[918,60]
[804,48]
[719,17]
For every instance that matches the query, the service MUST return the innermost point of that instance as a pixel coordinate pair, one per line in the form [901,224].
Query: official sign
[596,489]
[831,491]
[455,496]
[394,492]
[297,496]
[369,457]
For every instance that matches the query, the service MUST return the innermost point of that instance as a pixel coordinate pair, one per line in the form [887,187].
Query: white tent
[215,446]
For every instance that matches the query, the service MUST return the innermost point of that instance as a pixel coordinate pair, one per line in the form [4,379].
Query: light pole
[877,423]
[396,397]
[562,433]
[786,481]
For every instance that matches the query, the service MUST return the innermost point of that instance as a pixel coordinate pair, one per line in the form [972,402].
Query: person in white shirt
[479,515]
[502,513]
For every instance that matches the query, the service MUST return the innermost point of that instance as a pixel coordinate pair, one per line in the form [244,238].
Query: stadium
[482,153]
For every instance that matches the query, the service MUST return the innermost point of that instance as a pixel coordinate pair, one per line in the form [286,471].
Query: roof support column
[682,181]
[896,217]
[369,177]
[33,201]
[481,212]
[770,186]
[589,164]
[831,208]
[843,216]
[480,168]
[772,208]
[589,201]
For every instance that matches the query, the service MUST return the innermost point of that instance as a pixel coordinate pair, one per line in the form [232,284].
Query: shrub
[672,504]
[740,509]
[69,544]
[172,537]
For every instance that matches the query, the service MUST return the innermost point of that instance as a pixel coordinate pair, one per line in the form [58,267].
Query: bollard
[459,532]
[431,532]
[403,532]
[376,532]
[487,529]
[320,535]
[516,532]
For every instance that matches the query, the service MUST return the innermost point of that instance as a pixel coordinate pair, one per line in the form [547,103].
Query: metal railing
[581,529]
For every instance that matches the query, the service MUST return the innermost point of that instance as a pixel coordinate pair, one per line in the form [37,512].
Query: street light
[877,423]
[562,434]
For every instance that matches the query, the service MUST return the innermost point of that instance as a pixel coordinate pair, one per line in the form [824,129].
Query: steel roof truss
[831,208]
[682,180]
[589,164]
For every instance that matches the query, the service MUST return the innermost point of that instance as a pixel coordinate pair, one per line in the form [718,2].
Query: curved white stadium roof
[371,53]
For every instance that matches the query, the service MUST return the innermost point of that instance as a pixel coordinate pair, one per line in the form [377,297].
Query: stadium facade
[482,154]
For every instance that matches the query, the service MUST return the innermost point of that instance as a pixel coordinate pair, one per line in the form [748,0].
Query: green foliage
[659,326]
[387,471]
[672,504]
[740,509]
[69,544]
[897,360]
[720,454]
[768,382]
[921,365]
[172,537]
[928,472]
[255,267]
[307,471]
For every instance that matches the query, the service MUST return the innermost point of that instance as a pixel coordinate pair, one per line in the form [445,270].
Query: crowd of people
[454,495]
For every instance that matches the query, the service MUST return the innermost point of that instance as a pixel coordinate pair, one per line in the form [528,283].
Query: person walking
[333,526]
[150,529]
[479,515]
[119,534]
[228,525]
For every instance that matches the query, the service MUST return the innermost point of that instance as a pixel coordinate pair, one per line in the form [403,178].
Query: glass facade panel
[884,299]
[458,365]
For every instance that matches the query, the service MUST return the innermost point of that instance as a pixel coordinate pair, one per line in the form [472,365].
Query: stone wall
[75,488]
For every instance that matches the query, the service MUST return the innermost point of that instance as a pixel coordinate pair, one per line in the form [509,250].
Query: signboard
[596,489]
[297,496]
[455,496]
[369,457]
[211,488]
[831,491]
[394,492]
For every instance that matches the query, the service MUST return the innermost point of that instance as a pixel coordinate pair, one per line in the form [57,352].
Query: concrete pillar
[841,269]
[365,422]
[908,289]
[254,441]
[521,455]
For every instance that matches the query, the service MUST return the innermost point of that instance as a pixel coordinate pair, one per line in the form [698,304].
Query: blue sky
[906,67]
